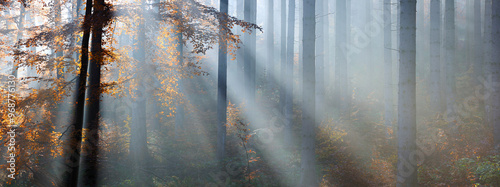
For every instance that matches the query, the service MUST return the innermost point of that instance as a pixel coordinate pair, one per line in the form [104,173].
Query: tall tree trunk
[179,108]
[435,53]
[90,159]
[449,47]
[301,52]
[282,78]
[138,139]
[72,149]
[487,59]
[222,89]
[270,71]
[240,54]
[308,164]
[320,61]
[289,73]
[388,63]
[495,71]
[343,96]
[250,16]
[407,168]
[478,42]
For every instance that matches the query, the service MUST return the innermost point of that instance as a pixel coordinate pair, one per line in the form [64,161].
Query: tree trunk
[289,73]
[478,42]
[72,150]
[320,61]
[270,71]
[435,53]
[179,108]
[388,63]
[449,47]
[282,78]
[222,90]
[90,159]
[407,168]
[250,16]
[138,139]
[340,56]
[308,168]
[495,71]
[487,59]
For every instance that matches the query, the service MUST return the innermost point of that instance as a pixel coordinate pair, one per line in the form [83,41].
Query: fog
[250,93]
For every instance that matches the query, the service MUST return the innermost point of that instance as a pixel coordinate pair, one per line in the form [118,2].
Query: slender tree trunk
[340,56]
[301,52]
[222,89]
[449,47]
[270,71]
[320,61]
[495,71]
[435,53]
[240,56]
[72,150]
[308,168]
[289,73]
[388,63]
[487,59]
[179,113]
[250,16]
[282,78]
[407,171]
[478,42]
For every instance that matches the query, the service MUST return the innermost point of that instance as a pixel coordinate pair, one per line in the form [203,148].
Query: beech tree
[407,127]
[308,169]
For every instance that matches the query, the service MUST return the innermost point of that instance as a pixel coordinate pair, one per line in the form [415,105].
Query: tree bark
[90,159]
[435,53]
[449,47]
[487,59]
[320,61]
[289,74]
[282,85]
[72,150]
[495,71]
[270,71]
[250,16]
[388,63]
[222,90]
[407,170]
[343,96]
[308,168]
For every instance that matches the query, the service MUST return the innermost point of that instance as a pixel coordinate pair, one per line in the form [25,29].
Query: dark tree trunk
[222,91]
[90,160]
[72,150]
